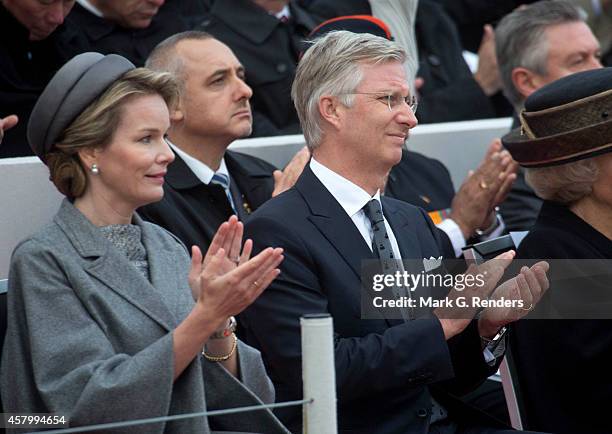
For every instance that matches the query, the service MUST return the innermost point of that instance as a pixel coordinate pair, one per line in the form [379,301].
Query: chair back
[512,391]
[3,314]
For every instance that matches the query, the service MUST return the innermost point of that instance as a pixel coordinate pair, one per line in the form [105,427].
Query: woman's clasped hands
[227,279]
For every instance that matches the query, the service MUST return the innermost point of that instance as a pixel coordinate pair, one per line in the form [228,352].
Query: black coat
[424,182]
[269,51]
[471,15]
[450,92]
[421,181]
[336,8]
[521,207]
[193,211]
[107,37]
[564,365]
[384,367]
[25,69]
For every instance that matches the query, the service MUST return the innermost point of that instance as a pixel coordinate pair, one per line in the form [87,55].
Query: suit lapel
[402,229]
[303,18]
[108,266]
[254,184]
[333,222]
[180,176]
[246,19]
[404,235]
[338,228]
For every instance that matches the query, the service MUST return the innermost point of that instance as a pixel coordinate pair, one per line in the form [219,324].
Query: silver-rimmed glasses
[392,100]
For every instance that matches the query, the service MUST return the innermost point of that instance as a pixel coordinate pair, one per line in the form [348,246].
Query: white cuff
[492,356]
[488,356]
[454,233]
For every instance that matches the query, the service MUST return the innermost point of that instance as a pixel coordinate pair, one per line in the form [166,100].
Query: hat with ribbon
[567,120]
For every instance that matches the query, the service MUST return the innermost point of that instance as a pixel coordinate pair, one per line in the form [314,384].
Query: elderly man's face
[40,17]
[215,102]
[133,14]
[375,133]
[572,47]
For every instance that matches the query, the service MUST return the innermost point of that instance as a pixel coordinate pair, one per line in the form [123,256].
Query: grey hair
[332,67]
[520,40]
[566,183]
[165,58]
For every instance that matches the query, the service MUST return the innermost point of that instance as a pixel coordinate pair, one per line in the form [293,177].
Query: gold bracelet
[227,356]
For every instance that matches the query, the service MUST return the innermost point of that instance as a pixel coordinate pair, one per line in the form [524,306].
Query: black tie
[381,246]
[380,243]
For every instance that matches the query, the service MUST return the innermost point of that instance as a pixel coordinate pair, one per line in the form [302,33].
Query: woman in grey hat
[109,319]
[565,144]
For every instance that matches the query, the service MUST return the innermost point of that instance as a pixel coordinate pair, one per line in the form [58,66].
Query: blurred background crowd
[455,41]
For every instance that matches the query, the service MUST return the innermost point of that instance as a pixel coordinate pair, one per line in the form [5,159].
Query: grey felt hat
[74,87]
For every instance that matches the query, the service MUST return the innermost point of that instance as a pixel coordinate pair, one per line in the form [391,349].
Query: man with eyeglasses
[469,215]
[392,100]
[355,107]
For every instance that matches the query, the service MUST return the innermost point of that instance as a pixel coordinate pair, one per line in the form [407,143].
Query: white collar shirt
[199,169]
[352,199]
[284,13]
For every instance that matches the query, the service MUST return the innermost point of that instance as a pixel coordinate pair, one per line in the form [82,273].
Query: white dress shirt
[284,13]
[352,199]
[199,169]
[452,229]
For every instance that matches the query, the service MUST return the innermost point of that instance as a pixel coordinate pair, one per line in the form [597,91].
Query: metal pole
[319,374]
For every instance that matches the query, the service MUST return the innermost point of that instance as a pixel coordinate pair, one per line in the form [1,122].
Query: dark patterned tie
[381,246]
[223,180]
[380,243]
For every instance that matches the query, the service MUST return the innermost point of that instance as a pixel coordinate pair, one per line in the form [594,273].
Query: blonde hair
[332,66]
[96,125]
[566,183]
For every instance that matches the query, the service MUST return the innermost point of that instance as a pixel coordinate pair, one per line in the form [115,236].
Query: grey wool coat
[90,337]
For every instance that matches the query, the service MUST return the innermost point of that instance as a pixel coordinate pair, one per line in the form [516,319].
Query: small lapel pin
[246,206]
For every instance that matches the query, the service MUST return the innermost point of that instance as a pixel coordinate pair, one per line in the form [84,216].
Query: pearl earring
[94,169]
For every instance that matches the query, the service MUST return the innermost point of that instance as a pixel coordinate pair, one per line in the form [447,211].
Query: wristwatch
[488,231]
[227,331]
[491,344]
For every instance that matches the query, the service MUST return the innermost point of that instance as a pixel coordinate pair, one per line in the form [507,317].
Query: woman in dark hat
[563,364]
[102,323]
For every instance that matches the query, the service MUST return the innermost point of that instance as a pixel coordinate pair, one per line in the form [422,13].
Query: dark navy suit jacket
[384,367]
[193,211]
